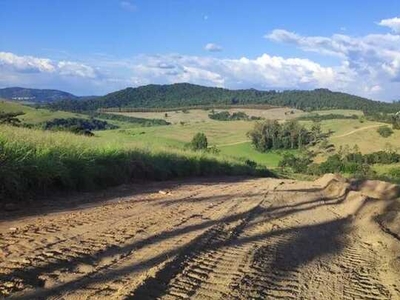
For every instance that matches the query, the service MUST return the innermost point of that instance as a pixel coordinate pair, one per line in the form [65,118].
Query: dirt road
[355,130]
[232,239]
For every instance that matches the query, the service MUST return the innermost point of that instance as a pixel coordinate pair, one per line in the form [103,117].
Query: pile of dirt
[334,185]
[390,220]
[377,189]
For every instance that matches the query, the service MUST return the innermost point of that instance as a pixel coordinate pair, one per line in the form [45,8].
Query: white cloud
[364,65]
[127,5]
[393,24]
[262,72]
[25,63]
[372,60]
[29,64]
[211,47]
[32,71]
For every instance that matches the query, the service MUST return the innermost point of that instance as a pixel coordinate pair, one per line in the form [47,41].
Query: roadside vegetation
[34,161]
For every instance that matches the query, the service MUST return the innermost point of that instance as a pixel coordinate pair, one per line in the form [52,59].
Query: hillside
[185,94]
[34,95]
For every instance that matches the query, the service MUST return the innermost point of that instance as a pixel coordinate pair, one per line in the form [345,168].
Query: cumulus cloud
[211,47]
[372,60]
[30,64]
[366,65]
[30,70]
[393,23]
[25,63]
[262,72]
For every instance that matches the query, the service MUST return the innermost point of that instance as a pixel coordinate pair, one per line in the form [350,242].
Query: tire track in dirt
[189,274]
[82,254]
[257,239]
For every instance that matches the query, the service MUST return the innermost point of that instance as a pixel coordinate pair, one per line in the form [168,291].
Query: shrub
[385,131]
[199,142]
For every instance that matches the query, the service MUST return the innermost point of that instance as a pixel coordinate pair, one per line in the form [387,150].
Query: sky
[93,47]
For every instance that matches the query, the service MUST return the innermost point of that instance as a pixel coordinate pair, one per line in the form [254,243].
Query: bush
[298,164]
[199,142]
[385,131]
[236,116]
[77,125]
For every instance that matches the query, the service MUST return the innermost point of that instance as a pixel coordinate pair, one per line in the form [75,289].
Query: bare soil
[233,238]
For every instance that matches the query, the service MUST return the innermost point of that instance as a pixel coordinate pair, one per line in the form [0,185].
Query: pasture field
[33,115]
[201,115]
[228,136]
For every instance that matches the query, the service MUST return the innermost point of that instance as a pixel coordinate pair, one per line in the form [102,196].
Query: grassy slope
[245,150]
[35,116]
[34,161]
[201,115]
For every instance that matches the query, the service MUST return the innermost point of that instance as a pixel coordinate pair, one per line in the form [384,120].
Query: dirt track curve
[223,239]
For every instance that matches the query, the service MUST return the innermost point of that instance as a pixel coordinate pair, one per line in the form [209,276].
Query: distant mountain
[185,94]
[34,95]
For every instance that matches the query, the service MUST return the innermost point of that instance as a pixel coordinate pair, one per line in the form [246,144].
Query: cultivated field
[231,238]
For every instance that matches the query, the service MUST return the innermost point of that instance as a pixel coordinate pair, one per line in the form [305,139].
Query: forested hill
[34,95]
[184,94]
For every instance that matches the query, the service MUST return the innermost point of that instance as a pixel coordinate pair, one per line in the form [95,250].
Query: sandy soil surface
[230,238]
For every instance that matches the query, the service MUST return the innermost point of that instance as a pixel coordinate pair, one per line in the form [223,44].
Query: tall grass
[34,162]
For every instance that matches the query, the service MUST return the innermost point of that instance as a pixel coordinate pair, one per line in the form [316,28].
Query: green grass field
[33,115]
[246,151]
[35,161]
[225,135]
[201,115]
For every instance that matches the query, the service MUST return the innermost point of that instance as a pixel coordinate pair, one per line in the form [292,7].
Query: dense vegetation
[10,118]
[393,119]
[184,94]
[199,142]
[271,135]
[35,161]
[77,125]
[132,120]
[319,118]
[354,163]
[385,131]
[34,95]
[226,116]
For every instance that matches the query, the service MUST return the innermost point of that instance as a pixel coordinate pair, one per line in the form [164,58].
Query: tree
[273,135]
[199,142]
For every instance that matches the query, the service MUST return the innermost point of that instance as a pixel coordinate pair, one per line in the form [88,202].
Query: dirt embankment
[234,239]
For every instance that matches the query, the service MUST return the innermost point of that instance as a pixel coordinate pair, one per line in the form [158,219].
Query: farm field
[201,115]
[233,238]
[230,137]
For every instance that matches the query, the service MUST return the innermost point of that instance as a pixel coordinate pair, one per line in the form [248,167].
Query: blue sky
[94,47]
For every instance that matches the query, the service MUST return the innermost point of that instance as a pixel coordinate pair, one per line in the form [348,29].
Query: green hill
[185,94]
[34,95]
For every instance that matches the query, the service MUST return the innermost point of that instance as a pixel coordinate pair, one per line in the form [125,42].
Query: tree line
[236,116]
[187,95]
[272,135]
